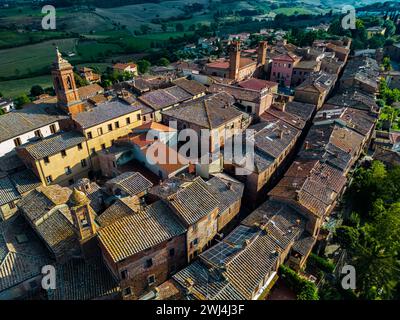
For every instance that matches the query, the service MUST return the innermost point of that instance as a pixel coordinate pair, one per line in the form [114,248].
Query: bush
[321,263]
[305,290]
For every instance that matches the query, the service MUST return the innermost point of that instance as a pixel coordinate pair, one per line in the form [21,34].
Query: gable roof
[163,98]
[132,183]
[211,111]
[193,201]
[8,192]
[192,87]
[79,279]
[104,112]
[140,231]
[31,117]
[53,144]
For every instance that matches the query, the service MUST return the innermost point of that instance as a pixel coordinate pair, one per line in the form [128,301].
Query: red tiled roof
[257,84]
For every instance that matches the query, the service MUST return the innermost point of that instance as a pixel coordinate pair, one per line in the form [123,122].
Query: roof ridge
[207,115]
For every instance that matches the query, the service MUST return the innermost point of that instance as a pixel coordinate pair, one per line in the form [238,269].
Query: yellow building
[60,159]
[104,124]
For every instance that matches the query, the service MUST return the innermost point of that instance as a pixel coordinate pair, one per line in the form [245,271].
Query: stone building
[315,89]
[236,67]
[59,159]
[142,247]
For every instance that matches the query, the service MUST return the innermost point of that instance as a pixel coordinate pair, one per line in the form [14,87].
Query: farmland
[32,59]
[14,88]
[103,35]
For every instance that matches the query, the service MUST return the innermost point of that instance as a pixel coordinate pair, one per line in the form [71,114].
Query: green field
[32,59]
[14,88]
[10,39]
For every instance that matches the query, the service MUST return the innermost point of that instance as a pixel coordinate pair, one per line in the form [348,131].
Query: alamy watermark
[349,280]
[49,20]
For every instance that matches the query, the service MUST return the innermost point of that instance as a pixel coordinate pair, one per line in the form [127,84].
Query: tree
[21,100]
[164,27]
[36,91]
[80,82]
[143,66]
[386,64]
[390,28]
[163,62]
[1,95]
[376,41]
[180,27]
[145,28]
[374,243]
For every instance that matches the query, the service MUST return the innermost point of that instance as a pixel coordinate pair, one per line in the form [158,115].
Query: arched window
[69,83]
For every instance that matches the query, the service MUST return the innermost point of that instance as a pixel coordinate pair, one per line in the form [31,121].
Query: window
[99,131]
[194,243]
[49,179]
[17,142]
[83,163]
[38,134]
[149,263]
[71,182]
[53,129]
[127,291]
[79,146]
[171,252]
[103,146]
[93,151]
[138,117]
[128,120]
[117,124]
[11,205]
[46,160]
[68,170]
[124,274]
[110,127]
[151,279]
[89,135]
[63,153]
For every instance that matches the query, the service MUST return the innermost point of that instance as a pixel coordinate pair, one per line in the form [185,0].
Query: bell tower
[234,60]
[64,85]
[262,53]
[82,215]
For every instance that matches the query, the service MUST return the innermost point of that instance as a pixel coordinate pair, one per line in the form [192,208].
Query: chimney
[262,53]
[234,60]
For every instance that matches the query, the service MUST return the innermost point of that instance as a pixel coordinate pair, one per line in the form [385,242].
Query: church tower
[234,60]
[82,215]
[64,85]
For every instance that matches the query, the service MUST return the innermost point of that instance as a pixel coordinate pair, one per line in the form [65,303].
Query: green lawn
[15,88]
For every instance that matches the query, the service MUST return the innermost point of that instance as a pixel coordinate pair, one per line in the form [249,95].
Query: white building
[6,105]
[33,121]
